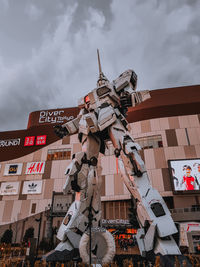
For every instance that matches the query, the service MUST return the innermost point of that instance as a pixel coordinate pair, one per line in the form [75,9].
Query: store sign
[10,142]
[41,140]
[185,175]
[11,188]
[35,167]
[184,229]
[29,140]
[32,187]
[13,169]
[117,221]
[55,116]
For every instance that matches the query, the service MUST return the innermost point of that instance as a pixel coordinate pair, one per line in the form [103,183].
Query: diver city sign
[55,116]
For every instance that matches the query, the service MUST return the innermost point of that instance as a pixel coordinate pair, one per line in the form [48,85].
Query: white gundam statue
[101,119]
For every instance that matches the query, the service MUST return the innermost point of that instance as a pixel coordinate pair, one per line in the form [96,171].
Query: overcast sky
[48,49]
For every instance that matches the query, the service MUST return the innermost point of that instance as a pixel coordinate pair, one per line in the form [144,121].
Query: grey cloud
[57,65]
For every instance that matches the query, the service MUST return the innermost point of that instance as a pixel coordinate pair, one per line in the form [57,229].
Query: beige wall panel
[105,165]
[112,165]
[74,139]
[155,124]
[62,168]
[126,192]
[25,208]
[14,197]
[30,177]
[190,152]
[118,185]
[184,201]
[66,140]
[48,189]
[193,120]
[16,210]
[44,154]
[28,158]
[76,148]
[42,205]
[9,178]
[37,155]
[181,137]
[58,185]
[149,158]
[145,126]
[55,169]
[179,152]
[157,179]
[109,184]
[169,153]
[164,138]
[136,127]
[159,156]
[184,121]
[8,208]
[2,205]
[173,123]
[197,149]
[164,123]
[194,137]
[166,179]
[103,189]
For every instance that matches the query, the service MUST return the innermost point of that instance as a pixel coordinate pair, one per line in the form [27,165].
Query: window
[59,154]
[146,142]
[116,209]
[33,208]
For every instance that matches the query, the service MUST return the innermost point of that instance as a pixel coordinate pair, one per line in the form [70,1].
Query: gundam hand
[125,100]
[60,131]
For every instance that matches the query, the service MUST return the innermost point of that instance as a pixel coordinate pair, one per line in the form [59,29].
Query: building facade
[33,163]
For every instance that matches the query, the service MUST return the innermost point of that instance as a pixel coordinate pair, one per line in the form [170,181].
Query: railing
[183,210]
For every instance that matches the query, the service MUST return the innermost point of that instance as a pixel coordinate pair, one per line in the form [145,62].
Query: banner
[11,188]
[32,187]
[35,167]
[185,175]
[13,169]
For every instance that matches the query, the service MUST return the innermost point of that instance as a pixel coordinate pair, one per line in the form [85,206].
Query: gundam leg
[156,225]
[81,176]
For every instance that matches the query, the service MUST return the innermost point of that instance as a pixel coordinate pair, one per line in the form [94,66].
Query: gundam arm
[125,87]
[156,225]
[70,127]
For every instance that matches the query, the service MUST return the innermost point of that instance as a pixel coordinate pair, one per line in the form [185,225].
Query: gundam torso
[102,106]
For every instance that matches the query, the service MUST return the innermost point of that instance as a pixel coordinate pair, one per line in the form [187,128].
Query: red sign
[35,167]
[41,140]
[29,140]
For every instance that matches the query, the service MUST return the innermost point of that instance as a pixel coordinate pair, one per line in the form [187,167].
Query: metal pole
[38,239]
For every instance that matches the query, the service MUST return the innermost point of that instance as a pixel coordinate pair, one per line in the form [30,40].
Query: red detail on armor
[87,99]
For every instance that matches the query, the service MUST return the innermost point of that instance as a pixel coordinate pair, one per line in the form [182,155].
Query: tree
[28,234]
[7,236]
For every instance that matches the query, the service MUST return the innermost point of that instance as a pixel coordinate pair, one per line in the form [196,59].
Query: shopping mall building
[33,163]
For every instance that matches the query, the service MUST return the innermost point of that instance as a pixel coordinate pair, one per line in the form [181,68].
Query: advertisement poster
[185,175]
[13,169]
[32,187]
[35,167]
[11,188]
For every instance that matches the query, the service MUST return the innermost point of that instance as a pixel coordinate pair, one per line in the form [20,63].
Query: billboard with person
[185,175]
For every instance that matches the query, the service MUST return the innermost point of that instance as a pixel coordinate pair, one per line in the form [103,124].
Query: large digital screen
[185,175]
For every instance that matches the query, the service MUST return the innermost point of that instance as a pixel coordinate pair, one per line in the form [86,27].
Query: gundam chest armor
[101,118]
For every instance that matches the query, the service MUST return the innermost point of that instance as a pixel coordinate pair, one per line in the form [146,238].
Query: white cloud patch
[33,11]
[159,40]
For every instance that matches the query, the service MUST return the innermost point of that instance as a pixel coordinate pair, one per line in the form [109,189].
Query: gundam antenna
[102,77]
[99,63]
